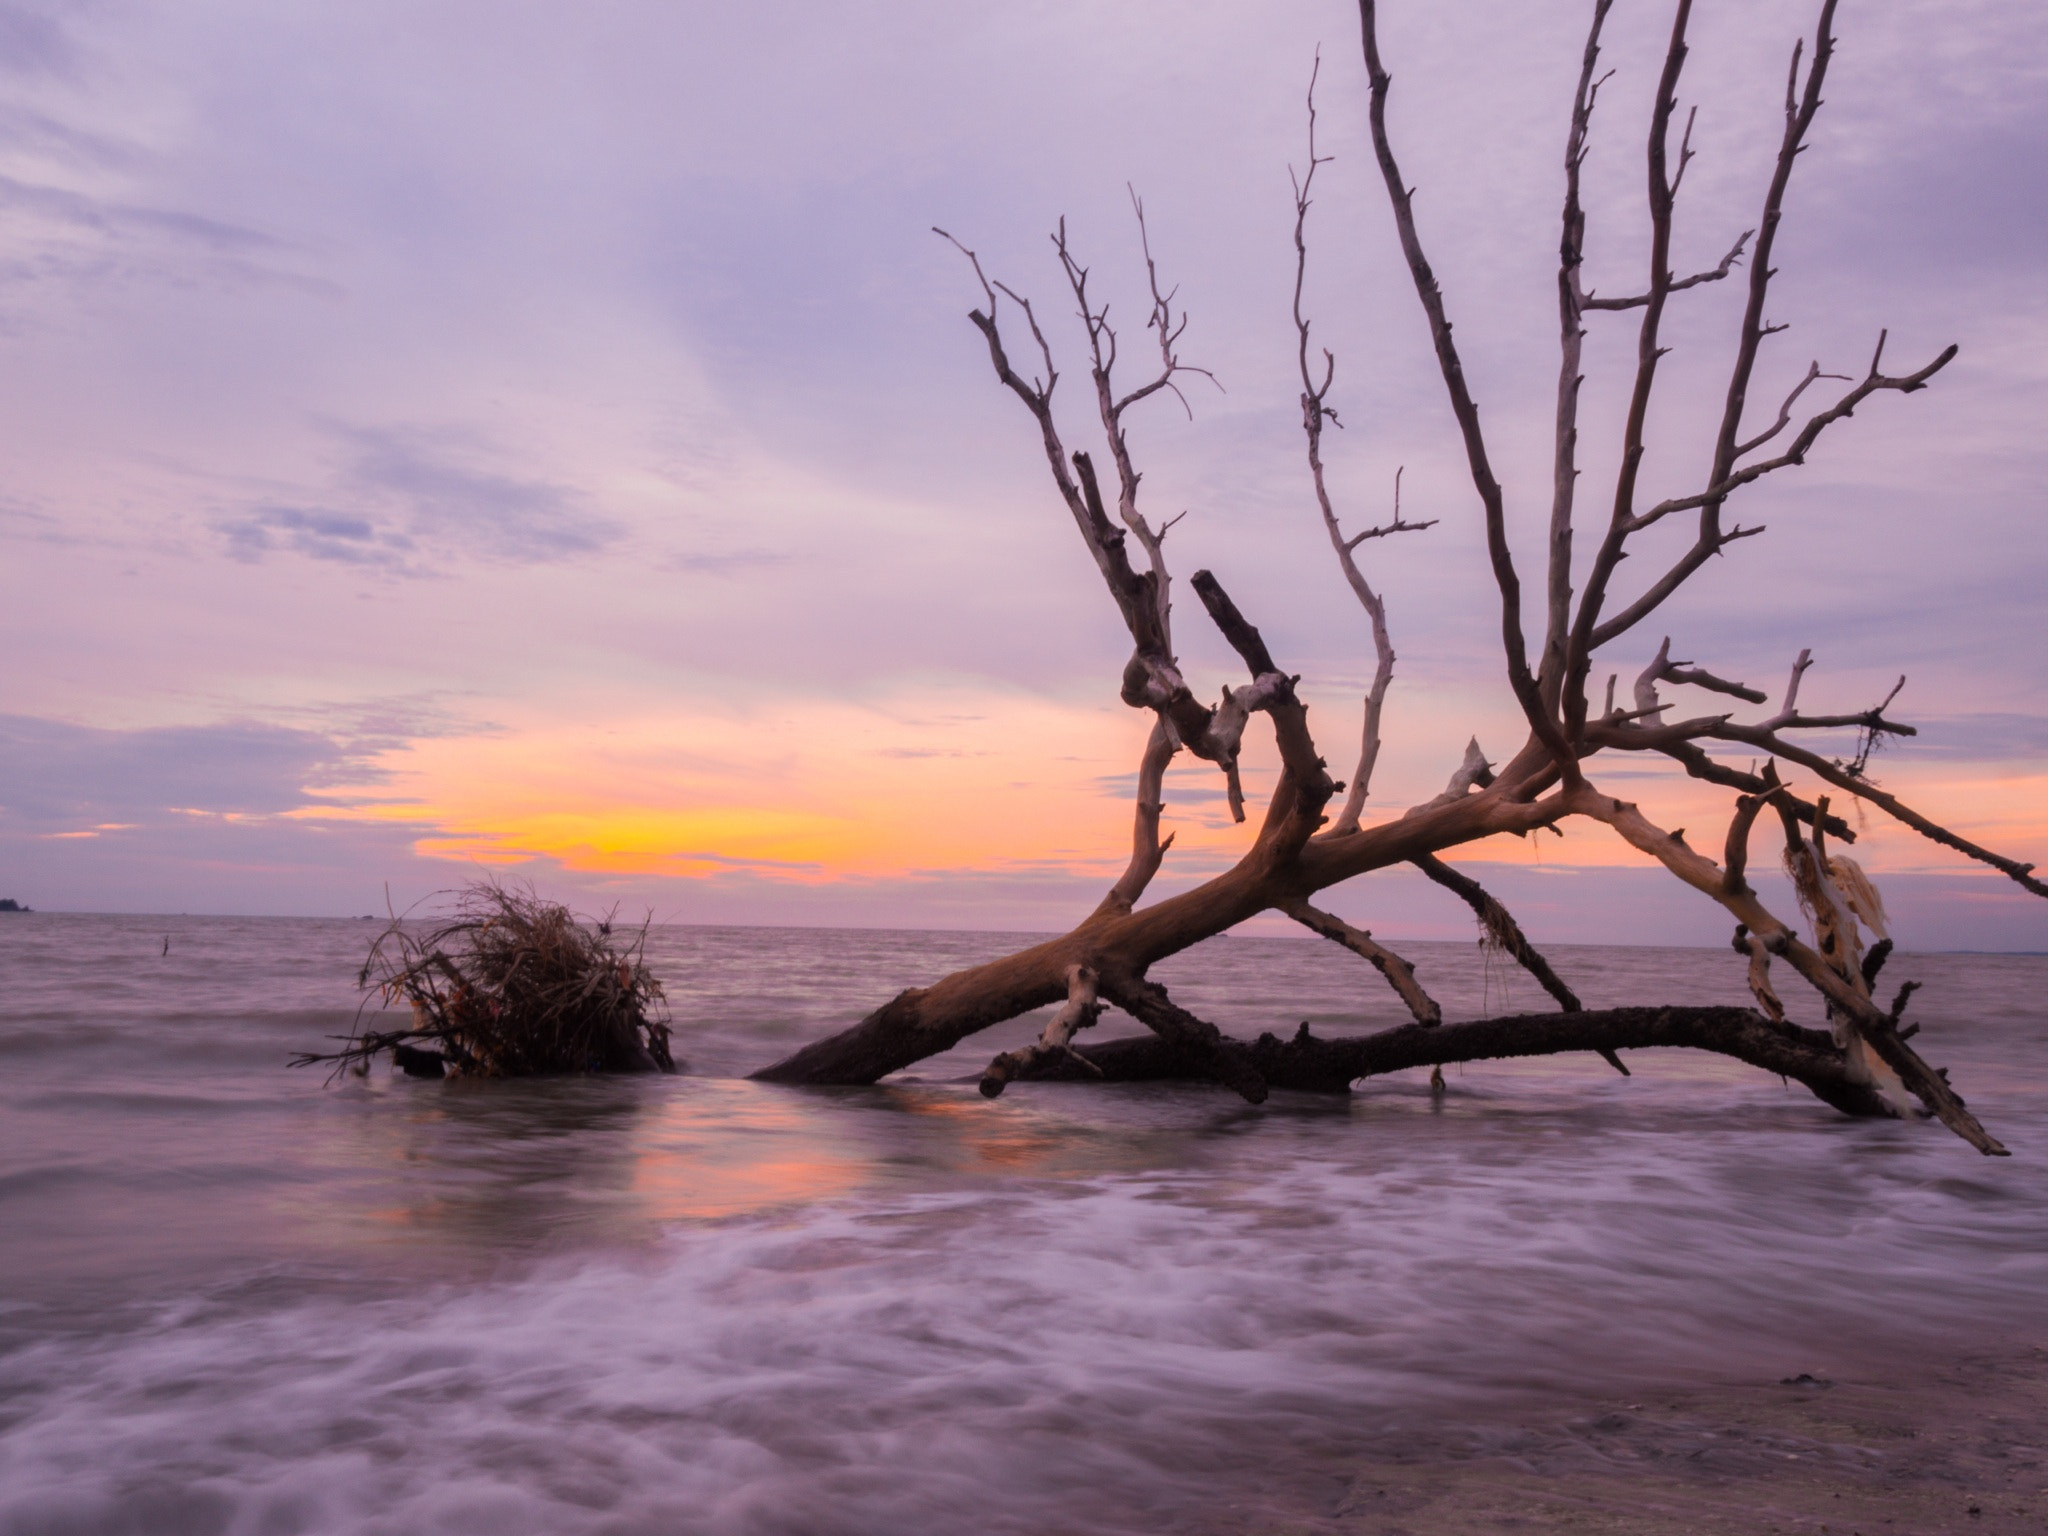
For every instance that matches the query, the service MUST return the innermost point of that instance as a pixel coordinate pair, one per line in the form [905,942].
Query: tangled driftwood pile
[509,986]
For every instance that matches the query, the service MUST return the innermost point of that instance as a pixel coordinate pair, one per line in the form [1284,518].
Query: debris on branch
[1860,1063]
[509,986]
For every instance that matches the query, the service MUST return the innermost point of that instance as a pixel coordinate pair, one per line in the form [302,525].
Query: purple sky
[411,410]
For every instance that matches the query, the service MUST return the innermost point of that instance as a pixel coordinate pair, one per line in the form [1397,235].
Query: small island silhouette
[9,904]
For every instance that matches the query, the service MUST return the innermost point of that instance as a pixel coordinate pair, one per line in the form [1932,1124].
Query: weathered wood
[1399,973]
[1311,1064]
[1055,1044]
[1294,855]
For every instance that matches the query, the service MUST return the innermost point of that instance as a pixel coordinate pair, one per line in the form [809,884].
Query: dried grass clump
[511,986]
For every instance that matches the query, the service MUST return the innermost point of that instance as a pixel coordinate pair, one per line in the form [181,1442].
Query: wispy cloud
[448,490]
[33,42]
[60,777]
[319,535]
[421,502]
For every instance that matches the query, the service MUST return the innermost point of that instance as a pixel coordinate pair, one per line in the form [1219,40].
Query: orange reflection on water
[735,1148]
[977,1131]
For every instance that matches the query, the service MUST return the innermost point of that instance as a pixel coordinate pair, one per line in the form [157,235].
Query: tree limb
[1315,410]
[1711,275]
[1571,304]
[1705,876]
[1055,1044]
[1308,1064]
[1503,930]
[1399,973]
[1649,351]
[1221,1058]
[1148,850]
[1463,407]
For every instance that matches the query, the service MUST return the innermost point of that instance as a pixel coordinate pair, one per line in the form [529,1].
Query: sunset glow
[408,478]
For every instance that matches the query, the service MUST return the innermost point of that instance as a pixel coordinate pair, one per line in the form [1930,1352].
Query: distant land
[9,904]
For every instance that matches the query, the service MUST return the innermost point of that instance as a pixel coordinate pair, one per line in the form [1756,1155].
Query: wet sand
[1956,1448]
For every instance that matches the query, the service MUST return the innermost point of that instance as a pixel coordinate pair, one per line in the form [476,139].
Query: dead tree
[1860,1063]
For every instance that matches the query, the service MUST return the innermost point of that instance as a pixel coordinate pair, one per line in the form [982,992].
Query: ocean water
[240,1298]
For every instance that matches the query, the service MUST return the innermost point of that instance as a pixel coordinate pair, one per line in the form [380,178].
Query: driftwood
[1860,1063]
[508,986]
[1308,1064]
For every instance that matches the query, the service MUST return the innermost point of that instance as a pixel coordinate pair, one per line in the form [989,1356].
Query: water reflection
[722,1149]
[710,1304]
[506,1167]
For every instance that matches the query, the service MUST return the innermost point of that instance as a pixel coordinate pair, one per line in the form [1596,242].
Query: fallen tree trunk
[1863,1065]
[1311,1064]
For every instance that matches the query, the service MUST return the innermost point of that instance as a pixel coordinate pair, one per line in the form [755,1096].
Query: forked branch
[1315,410]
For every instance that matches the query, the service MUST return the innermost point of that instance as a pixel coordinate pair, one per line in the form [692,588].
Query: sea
[238,1297]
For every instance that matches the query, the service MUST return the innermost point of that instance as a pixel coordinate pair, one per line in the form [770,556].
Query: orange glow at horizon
[817,791]
[812,791]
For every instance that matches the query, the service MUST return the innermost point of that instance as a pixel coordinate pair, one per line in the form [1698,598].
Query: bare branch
[1503,930]
[1711,275]
[1720,489]
[1571,304]
[1863,789]
[1399,973]
[1723,477]
[1110,407]
[1647,707]
[1649,351]
[1162,322]
[1663,669]
[1148,850]
[1055,1044]
[1705,876]
[1736,858]
[1463,407]
[1759,953]
[1305,787]
[1789,718]
[1473,772]
[1314,411]
[1784,420]
[1305,1063]
[1685,672]
[1222,1059]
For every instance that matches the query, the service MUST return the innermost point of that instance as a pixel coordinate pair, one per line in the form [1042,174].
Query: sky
[449,437]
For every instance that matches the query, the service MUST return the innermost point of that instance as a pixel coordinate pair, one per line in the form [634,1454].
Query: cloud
[93,245]
[1985,737]
[726,563]
[1202,785]
[32,42]
[56,777]
[23,130]
[341,536]
[451,497]
[420,501]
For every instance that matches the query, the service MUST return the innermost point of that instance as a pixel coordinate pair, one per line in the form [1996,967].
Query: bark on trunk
[1307,1063]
